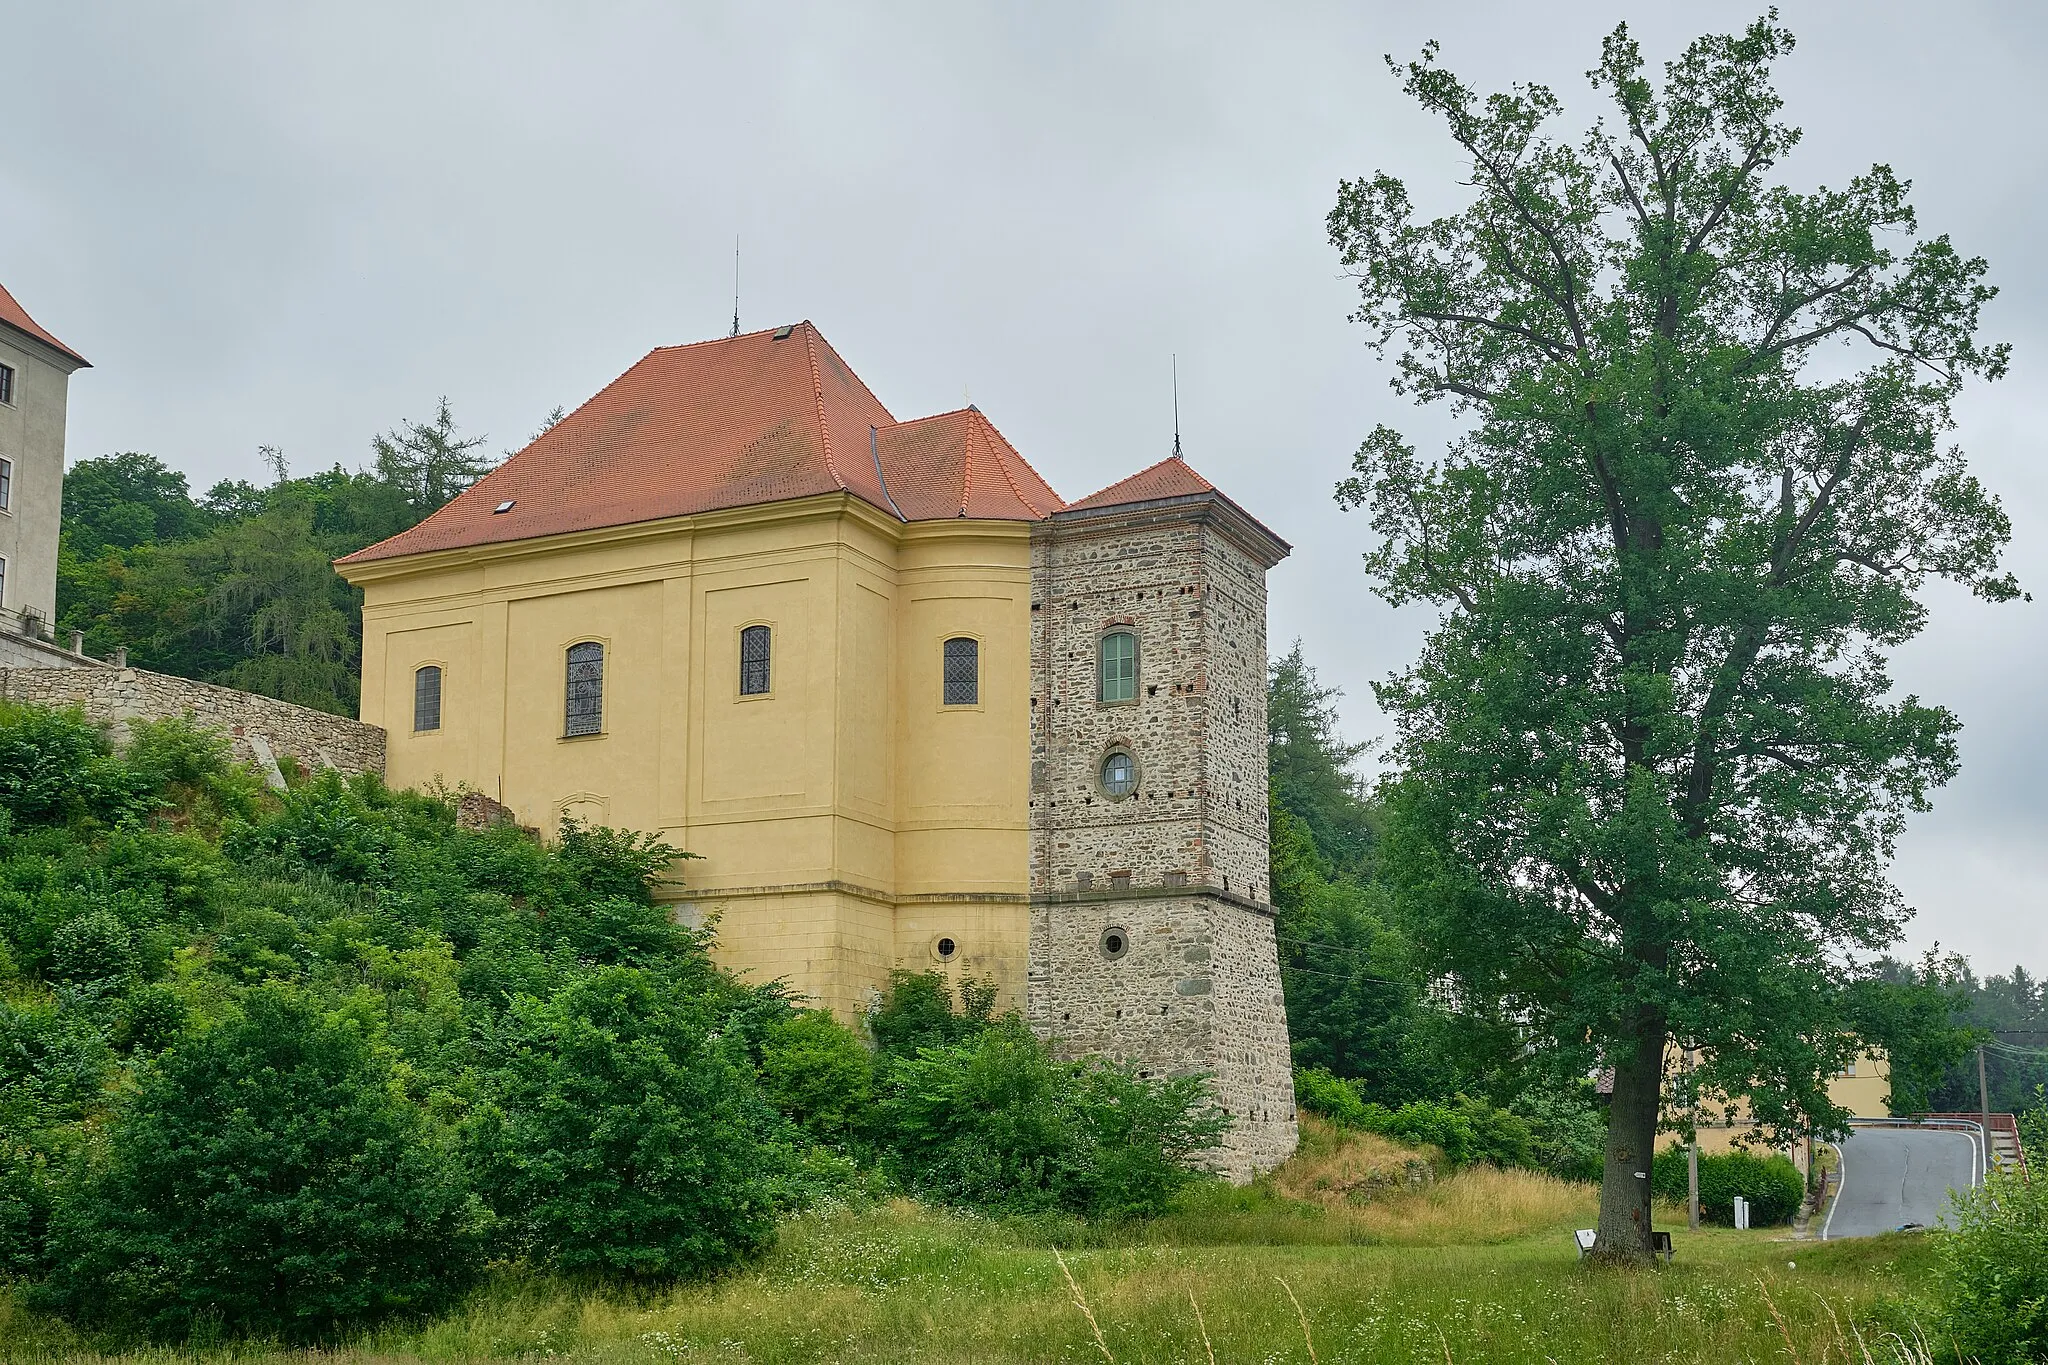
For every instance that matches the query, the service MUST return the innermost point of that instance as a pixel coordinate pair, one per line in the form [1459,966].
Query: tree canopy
[1651,765]
[238,587]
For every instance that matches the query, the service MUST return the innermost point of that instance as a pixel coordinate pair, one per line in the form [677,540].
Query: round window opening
[1115,942]
[1119,774]
[945,950]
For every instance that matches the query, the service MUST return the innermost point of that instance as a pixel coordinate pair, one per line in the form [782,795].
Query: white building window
[6,485]
[7,384]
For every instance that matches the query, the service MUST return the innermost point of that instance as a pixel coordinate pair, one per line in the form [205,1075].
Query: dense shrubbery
[1992,1280]
[267,1174]
[1561,1136]
[289,1064]
[1771,1184]
[992,1121]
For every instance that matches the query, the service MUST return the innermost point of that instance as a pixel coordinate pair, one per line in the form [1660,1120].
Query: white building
[35,373]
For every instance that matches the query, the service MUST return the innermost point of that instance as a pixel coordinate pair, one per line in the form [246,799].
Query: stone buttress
[1151,917]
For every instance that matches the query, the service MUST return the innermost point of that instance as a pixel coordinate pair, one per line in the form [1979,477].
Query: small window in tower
[426,697]
[755,642]
[6,485]
[3,580]
[1119,672]
[963,672]
[7,385]
[1115,942]
[1119,775]
[584,709]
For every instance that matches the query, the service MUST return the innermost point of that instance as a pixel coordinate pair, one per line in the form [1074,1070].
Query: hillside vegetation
[294,1065]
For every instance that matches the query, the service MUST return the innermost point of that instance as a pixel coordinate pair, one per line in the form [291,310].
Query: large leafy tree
[1652,768]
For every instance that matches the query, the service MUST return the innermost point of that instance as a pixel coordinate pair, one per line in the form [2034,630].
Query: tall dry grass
[1346,1188]
[1428,1274]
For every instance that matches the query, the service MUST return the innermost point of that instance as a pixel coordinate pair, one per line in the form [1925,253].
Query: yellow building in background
[1863,1088]
[909,707]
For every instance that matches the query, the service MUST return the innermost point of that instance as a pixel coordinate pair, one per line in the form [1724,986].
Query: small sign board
[1585,1237]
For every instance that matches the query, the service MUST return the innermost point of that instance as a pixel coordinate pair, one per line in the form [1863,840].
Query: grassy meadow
[1476,1267]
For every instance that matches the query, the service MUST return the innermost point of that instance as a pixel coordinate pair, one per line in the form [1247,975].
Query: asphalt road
[1895,1176]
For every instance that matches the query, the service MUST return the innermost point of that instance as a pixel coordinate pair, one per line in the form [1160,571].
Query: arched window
[584,712]
[963,672]
[1119,672]
[426,697]
[755,644]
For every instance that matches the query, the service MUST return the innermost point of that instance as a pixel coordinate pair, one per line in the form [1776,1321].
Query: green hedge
[1466,1130]
[1771,1184]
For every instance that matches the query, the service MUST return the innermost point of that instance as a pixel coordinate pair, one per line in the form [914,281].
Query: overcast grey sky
[299,224]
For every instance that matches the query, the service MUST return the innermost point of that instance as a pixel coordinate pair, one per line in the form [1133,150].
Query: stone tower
[1151,916]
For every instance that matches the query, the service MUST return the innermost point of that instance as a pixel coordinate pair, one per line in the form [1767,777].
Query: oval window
[1115,942]
[1119,775]
[945,950]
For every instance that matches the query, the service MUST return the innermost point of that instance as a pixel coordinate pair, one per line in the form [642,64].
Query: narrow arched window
[755,644]
[584,712]
[1119,667]
[426,697]
[963,672]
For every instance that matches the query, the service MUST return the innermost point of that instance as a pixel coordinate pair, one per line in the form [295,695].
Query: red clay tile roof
[728,423]
[1170,478]
[15,316]
[958,465]
[745,420]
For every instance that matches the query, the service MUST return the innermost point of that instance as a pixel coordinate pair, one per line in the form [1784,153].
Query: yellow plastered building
[907,707]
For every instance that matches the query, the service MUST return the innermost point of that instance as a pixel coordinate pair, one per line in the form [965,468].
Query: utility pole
[1692,1184]
[1983,1094]
[1692,1155]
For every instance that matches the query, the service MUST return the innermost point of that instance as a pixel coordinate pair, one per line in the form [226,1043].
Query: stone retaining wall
[262,729]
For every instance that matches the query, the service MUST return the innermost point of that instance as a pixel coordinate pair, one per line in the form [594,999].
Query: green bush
[1992,1263]
[917,1012]
[1466,1130]
[623,1137]
[55,766]
[997,1123]
[52,1067]
[1772,1185]
[816,1073]
[264,1177]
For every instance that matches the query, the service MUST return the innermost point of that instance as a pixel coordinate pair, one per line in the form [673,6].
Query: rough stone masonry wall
[1198,988]
[1085,584]
[260,729]
[1234,766]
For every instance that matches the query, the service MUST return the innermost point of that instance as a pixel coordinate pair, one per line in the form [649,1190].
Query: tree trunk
[1624,1232]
